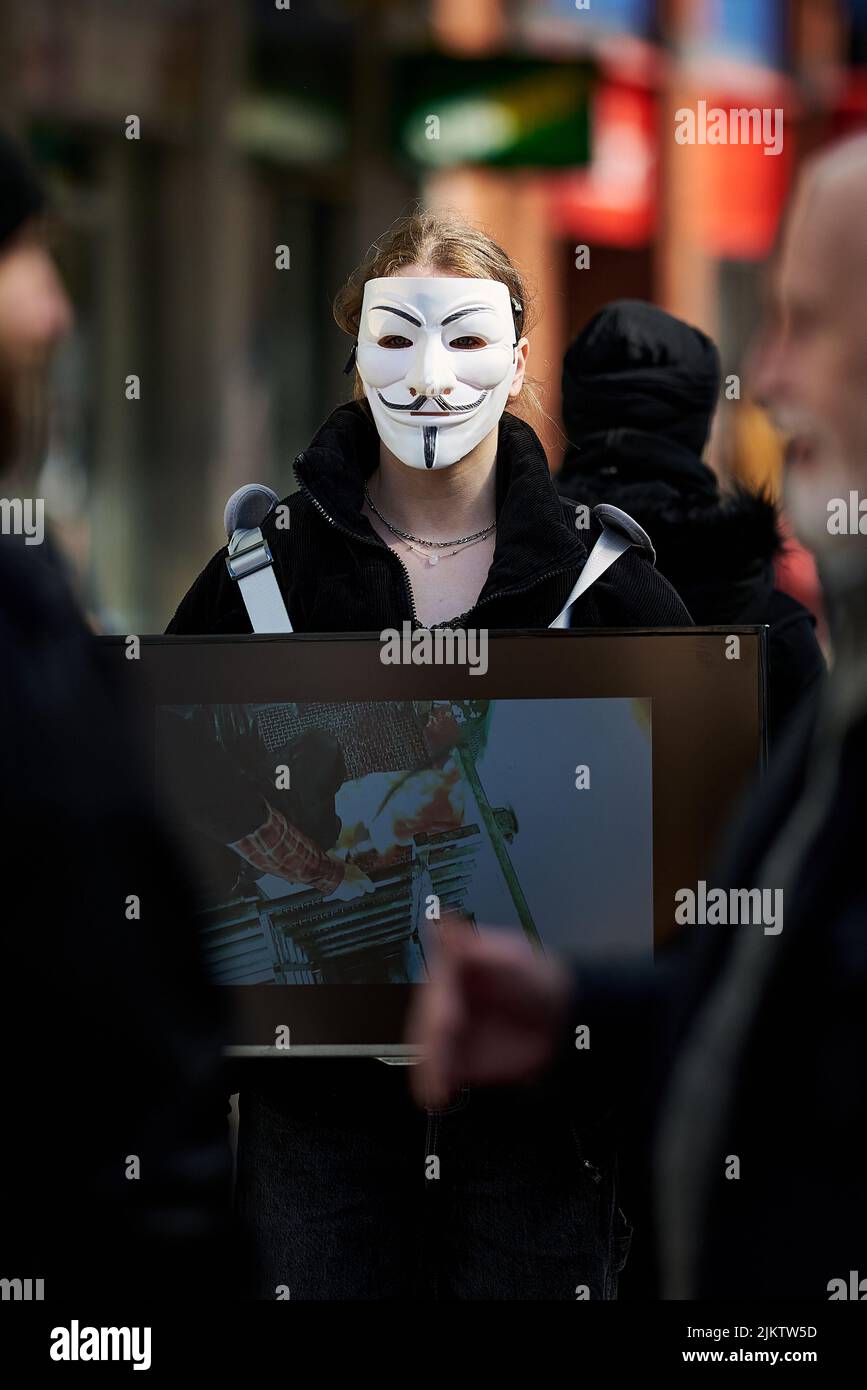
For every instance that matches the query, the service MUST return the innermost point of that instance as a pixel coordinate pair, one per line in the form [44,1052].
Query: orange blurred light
[467,26]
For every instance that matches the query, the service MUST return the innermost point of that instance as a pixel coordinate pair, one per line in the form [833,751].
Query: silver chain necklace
[433,557]
[419,540]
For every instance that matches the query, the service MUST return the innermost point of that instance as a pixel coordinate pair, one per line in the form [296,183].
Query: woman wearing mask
[427,500]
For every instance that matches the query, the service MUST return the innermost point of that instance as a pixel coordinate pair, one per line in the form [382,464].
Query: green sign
[507,112]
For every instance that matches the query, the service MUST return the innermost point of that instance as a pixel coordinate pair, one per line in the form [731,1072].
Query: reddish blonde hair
[447,242]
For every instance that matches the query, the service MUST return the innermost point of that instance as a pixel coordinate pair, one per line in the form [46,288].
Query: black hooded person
[639,391]
[424,498]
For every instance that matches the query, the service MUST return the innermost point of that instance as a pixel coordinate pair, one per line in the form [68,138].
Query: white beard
[841,559]
[806,494]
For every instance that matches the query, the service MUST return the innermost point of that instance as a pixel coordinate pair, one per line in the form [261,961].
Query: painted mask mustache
[414,407]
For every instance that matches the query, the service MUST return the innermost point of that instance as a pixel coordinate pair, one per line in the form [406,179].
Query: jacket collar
[533,535]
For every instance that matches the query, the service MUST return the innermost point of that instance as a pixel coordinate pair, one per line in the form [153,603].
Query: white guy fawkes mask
[437,355]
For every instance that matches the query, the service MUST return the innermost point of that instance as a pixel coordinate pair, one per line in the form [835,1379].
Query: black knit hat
[21,195]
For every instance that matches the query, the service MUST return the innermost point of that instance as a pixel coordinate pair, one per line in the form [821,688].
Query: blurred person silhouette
[110,1035]
[35,315]
[35,312]
[639,391]
[744,1044]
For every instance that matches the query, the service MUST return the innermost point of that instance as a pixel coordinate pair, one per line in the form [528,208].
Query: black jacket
[110,1033]
[793,1104]
[717,551]
[337,575]
[639,391]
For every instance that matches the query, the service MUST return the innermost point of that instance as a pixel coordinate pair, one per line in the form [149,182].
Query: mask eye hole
[468,342]
[394,340]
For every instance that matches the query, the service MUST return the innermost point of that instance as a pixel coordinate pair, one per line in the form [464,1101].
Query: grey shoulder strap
[250,563]
[620,532]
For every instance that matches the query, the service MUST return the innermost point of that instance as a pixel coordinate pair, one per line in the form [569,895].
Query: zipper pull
[592,1171]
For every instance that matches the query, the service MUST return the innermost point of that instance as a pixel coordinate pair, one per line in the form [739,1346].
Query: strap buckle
[249,552]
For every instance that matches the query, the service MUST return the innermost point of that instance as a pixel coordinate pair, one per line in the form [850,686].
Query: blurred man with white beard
[811,367]
[749,1048]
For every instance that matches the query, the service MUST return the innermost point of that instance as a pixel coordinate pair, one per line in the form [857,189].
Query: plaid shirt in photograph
[278,847]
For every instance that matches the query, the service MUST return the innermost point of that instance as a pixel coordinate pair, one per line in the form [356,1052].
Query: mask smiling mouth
[414,407]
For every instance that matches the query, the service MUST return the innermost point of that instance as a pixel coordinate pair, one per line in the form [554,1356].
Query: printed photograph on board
[331,839]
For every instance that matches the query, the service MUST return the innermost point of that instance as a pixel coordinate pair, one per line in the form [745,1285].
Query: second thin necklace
[413,542]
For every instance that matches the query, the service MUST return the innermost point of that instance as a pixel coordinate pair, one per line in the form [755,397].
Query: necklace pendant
[433,559]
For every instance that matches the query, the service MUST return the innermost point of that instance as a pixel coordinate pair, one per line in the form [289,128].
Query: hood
[636,366]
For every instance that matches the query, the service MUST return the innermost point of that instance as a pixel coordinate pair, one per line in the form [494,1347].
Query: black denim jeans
[349,1191]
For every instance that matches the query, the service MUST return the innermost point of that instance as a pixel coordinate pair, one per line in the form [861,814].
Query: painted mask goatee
[437,356]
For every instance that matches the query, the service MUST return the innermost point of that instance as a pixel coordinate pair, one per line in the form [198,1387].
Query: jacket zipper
[379,545]
[592,1171]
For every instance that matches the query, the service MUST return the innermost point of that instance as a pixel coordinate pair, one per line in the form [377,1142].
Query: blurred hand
[354,882]
[494,1012]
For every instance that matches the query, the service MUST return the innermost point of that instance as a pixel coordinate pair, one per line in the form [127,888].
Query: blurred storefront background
[310,125]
